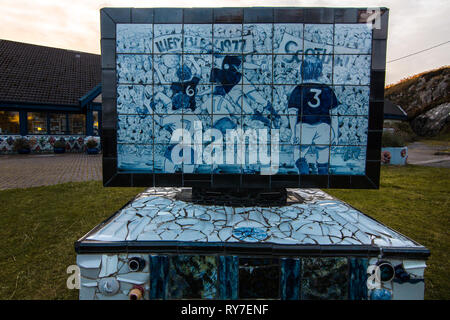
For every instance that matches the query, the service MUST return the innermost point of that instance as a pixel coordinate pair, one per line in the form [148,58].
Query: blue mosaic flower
[250,234]
[381,294]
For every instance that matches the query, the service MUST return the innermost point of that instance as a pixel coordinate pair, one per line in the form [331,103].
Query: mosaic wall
[44,143]
[106,277]
[306,84]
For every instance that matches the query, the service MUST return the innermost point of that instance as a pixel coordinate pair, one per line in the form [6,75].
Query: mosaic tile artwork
[109,277]
[324,278]
[192,277]
[258,278]
[290,278]
[44,143]
[169,277]
[318,219]
[305,85]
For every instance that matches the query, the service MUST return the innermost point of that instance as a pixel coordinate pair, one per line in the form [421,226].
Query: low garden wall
[44,143]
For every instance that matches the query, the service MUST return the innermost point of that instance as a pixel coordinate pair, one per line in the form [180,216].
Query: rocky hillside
[426,99]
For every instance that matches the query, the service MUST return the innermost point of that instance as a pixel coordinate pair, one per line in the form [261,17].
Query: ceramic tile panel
[134,99]
[351,69]
[197,68]
[348,160]
[318,39]
[134,68]
[257,38]
[228,277]
[257,69]
[257,99]
[192,277]
[324,278]
[197,38]
[349,131]
[281,96]
[137,157]
[228,38]
[288,38]
[135,129]
[167,99]
[290,278]
[134,38]
[162,157]
[353,100]
[168,38]
[357,281]
[108,276]
[168,68]
[317,69]
[351,38]
[307,83]
[287,69]
[314,159]
[259,278]
[159,266]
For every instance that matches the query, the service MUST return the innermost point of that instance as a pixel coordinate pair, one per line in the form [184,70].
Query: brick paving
[24,171]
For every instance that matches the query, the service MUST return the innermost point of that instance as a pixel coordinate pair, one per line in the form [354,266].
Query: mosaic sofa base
[233,277]
[315,247]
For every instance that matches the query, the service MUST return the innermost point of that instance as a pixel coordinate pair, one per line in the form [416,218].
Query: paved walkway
[423,154]
[24,171]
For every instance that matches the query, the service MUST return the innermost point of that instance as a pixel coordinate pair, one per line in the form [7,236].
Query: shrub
[404,129]
[91,143]
[392,140]
[61,143]
[21,144]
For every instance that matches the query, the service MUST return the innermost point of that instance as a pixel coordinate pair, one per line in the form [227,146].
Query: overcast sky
[414,25]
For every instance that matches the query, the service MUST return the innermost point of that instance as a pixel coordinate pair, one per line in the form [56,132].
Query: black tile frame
[111,16]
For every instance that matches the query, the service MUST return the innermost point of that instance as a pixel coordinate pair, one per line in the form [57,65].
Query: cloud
[75,25]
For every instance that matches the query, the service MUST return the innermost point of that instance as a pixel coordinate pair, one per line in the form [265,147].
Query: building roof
[32,74]
[393,111]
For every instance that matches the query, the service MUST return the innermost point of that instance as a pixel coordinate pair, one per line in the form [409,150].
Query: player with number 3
[313,102]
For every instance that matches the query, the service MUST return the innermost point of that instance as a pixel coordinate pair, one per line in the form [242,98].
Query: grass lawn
[40,225]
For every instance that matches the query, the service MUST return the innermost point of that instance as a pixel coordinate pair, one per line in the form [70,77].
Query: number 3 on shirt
[317,92]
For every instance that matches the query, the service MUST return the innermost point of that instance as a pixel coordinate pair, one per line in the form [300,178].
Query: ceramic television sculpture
[200,104]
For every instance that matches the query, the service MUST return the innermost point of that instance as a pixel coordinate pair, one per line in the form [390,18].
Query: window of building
[77,124]
[9,122]
[37,122]
[58,124]
[95,123]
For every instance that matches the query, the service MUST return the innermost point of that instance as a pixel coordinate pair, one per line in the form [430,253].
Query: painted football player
[313,102]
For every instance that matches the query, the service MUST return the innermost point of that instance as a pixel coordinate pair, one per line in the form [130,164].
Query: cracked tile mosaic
[320,219]
[288,78]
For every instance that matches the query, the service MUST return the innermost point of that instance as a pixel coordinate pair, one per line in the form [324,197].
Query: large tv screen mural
[270,99]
